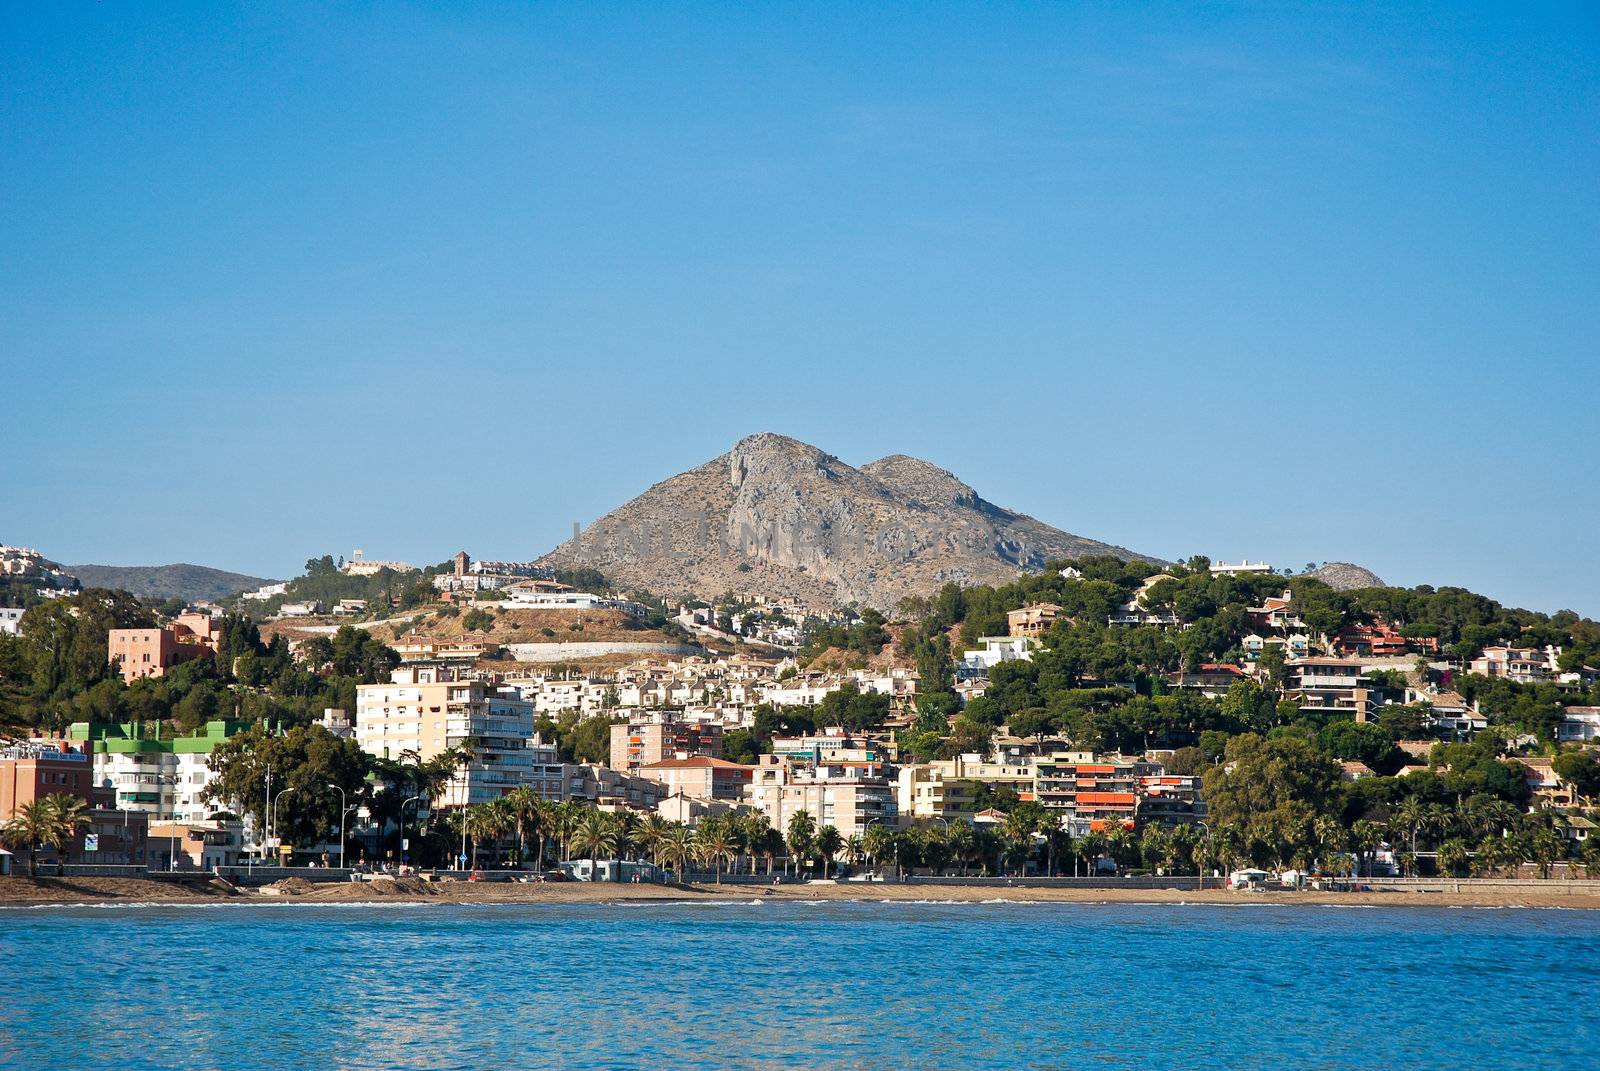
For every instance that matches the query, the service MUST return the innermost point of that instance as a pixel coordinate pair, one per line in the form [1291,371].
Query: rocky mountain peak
[779,517]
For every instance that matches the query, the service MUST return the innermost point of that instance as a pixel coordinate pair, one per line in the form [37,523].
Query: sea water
[754,984]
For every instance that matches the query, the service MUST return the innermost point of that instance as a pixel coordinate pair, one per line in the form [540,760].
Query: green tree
[714,844]
[309,761]
[828,845]
[1580,769]
[1271,790]
[595,835]
[802,837]
[677,848]
[31,827]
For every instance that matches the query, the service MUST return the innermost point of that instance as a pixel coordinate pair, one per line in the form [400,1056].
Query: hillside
[778,517]
[191,583]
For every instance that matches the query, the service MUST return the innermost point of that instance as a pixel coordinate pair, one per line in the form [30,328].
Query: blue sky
[1301,283]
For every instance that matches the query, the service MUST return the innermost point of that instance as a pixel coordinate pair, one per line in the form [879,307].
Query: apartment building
[33,770]
[923,793]
[1330,686]
[701,777]
[152,772]
[612,789]
[151,652]
[847,796]
[38,769]
[1016,774]
[835,746]
[647,743]
[1167,799]
[1093,793]
[1525,665]
[426,709]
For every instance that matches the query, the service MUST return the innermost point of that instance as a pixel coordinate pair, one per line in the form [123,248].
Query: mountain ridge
[779,517]
[191,583]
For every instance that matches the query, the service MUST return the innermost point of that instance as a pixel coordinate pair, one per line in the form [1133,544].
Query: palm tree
[1438,820]
[487,821]
[1056,840]
[828,844]
[752,827]
[963,841]
[626,823]
[565,822]
[1154,846]
[1019,836]
[652,832]
[1091,846]
[875,841]
[1452,856]
[1121,846]
[1503,814]
[32,826]
[596,835]
[525,808]
[1410,817]
[802,835]
[1227,844]
[677,848]
[67,821]
[1330,834]
[771,847]
[1495,854]
[853,849]
[714,844]
[433,775]
[1181,847]
[1365,837]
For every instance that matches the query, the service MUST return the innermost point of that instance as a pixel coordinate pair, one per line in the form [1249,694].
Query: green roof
[127,738]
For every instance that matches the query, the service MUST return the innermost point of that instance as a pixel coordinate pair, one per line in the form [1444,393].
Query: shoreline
[23,892]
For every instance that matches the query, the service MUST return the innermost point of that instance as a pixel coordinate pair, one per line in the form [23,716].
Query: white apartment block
[424,710]
[847,797]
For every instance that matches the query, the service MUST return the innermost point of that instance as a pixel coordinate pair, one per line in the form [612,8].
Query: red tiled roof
[695,762]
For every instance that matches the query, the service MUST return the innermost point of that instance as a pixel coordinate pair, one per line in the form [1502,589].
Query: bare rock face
[1342,576]
[778,517]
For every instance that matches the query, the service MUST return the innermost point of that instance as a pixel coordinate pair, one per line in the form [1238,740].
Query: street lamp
[277,800]
[408,801]
[343,810]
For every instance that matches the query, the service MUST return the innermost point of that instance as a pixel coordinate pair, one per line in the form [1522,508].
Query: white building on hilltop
[360,565]
[1236,569]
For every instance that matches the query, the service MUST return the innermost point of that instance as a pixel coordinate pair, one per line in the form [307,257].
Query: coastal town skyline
[838,536]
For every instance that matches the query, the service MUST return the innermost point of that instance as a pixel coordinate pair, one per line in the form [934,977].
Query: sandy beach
[22,891]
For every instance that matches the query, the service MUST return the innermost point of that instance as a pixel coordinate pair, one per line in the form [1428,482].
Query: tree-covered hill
[191,583]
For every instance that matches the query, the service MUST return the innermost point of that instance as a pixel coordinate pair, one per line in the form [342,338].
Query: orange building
[150,652]
[32,771]
[1034,620]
